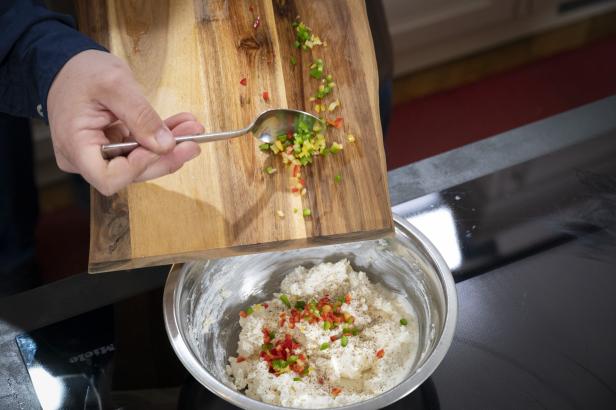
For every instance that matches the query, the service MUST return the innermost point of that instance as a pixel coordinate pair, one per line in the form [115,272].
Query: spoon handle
[110,151]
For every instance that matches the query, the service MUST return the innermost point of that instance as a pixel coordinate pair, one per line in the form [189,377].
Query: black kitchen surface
[525,209]
[532,247]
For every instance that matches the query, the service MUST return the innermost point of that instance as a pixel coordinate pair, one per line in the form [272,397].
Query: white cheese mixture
[380,334]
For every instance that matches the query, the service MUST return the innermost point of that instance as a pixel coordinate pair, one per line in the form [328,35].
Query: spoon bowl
[266,127]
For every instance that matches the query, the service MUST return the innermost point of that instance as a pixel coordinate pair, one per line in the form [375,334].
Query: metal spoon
[266,127]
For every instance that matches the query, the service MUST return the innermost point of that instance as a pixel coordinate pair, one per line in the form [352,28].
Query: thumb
[126,101]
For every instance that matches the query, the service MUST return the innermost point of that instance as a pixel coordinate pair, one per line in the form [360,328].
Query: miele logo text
[96,352]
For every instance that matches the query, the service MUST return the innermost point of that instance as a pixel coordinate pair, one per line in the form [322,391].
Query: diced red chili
[266,96]
[243,314]
[243,81]
[337,123]
[336,391]
[333,338]
[380,353]
[294,189]
[265,305]
[240,359]
[347,299]
[266,335]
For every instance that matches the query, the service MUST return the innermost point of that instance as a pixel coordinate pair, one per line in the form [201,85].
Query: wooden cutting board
[190,55]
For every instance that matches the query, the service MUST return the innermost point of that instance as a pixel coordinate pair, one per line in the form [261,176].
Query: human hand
[95,100]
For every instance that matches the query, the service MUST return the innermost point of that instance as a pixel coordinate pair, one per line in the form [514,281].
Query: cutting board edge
[218,253]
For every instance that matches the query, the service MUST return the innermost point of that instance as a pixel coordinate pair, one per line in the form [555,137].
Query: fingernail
[164,138]
[196,153]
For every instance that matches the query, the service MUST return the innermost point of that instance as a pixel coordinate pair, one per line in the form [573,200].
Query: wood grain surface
[190,55]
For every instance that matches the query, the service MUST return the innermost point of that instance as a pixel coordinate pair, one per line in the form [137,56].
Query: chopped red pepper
[243,81]
[266,96]
[336,391]
[266,335]
[337,123]
[333,338]
[380,353]
[243,314]
[302,181]
[240,359]
[265,305]
[294,189]
[257,22]
[347,299]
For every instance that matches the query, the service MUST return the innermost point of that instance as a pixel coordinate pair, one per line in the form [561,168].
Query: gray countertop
[81,293]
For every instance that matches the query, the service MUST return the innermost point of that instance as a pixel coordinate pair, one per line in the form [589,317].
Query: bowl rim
[176,277]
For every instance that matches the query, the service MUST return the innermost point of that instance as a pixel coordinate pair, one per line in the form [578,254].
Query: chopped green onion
[307,212]
[267,346]
[272,335]
[338,178]
[344,341]
[250,310]
[284,299]
[297,379]
[293,60]
[316,69]
[355,331]
[264,147]
[403,322]
[270,170]
[292,359]
[327,325]
[300,304]
[324,346]
[279,364]
[335,148]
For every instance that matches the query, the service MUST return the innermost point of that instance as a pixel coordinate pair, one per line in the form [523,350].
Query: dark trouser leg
[18,206]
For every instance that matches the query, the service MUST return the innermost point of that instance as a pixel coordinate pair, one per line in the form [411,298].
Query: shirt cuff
[51,45]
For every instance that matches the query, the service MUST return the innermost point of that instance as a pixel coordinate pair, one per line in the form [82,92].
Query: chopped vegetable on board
[243,81]
[316,69]
[304,38]
[266,96]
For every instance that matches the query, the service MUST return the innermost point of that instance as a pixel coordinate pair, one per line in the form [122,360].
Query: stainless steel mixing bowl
[202,300]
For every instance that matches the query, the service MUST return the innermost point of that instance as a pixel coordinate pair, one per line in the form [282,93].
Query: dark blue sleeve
[35,43]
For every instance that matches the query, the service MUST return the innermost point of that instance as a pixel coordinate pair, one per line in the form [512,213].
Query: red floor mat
[440,122]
